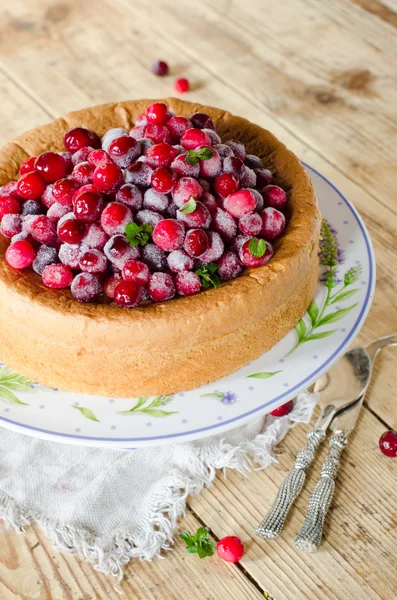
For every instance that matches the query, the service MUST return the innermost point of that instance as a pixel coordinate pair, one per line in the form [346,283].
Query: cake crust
[159,348]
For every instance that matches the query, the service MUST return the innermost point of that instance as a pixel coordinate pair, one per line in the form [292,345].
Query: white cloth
[110,506]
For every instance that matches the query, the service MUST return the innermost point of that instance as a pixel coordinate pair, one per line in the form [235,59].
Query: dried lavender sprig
[330,252]
[352,275]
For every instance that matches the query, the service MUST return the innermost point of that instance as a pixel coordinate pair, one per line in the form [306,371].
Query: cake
[158,345]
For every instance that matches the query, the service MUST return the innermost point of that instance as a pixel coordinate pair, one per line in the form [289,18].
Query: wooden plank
[357,558]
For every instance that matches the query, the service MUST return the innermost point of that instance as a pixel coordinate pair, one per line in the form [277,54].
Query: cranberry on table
[160,155]
[63,191]
[177,127]
[196,242]
[161,287]
[78,137]
[136,271]
[187,283]
[181,85]
[85,287]
[273,223]
[275,196]
[88,207]
[128,294]
[123,151]
[226,184]
[31,186]
[159,67]
[283,410]
[230,548]
[20,255]
[163,180]
[57,276]
[27,166]
[229,266]
[192,138]
[240,203]
[83,173]
[107,178]
[169,234]
[43,230]
[249,260]
[115,217]
[157,113]
[388,443]
[202,121]
[71,231]
[51,166]
[8,205]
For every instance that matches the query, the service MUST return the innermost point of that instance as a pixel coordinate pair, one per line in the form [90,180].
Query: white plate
[64,417]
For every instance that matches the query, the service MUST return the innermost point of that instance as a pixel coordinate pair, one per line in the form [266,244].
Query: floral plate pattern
[341,303]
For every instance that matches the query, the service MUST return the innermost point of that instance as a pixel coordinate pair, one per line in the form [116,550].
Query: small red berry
[27,166]
[283,410]
[192,138]
[43,230]
[93,261]
[130,195]
[115,217]
[274,196]
[63,191]
[161,287]
[85,287]
[127,294]
[136,271]
[157,133]
[240,203]
[88,207]
[81,155]
[71,231]
[51,166]
[157,113]
[200,218]
[11,224]
[163,180]
[123,151]
[186,188]
[169,235]
[31,186]
[78,137]
[98,156]
[110,284]
[215,248]
[264,177]
[251,224]
[160,155]
[159,67]
[177,127]
[138,173]
[202,121]
[83,173]
[273,223]
[8,205]
[107,178]
[230,548]
[57,276]
[20,255]
[196,242]
[187,283]
[249,260]
[181,85]
[229,266]
[226,184]
[388,443]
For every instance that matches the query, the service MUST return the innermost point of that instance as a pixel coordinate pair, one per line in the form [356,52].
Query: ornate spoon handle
[290,488]
[311,533]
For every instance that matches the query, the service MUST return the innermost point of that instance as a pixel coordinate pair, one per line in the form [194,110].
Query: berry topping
[160,155]
[83,173]
[275,196]
[11,224]
[388,443]
[224,224]
[51,166]
[185,189]
[93,261]
[78,137]
[187,283]
[163,179]
[115,217]
[251,224]
[110,284]
[85,287]
[157,113]
[178,260]
[27,166]
[31,207]
[215,247]
[283,410]
[273,223]
[128,294]
[98,156]
[71,231]
[107,178]
[233,165]
[237,148]
[226,184]
[46,255]
[81,155]
[240,203]
[159,67]
[155,258]
[230,549]
[202,121]
[138,173]
[193,138]
[136,271]
[229,266]
[8,205]
[123,151]
[57,276]
[264,177]
[95,237]
[194,214]
[255,253]
[31,186]
[169,235]
[43,230]
[20,255]
[196,242]
[157,133]
[88,207]
[177,127]
[161,287]
[118,251]
[63,191]
[153,200]
[253,162]
[181,85]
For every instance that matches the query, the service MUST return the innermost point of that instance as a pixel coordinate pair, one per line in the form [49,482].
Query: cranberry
[273,223]
[163,180]
[234,165]
[224,150]
[69,254]
[110,284]
[32,207]
[187,283]
[157,133]
[215,248]
[230,549]
[157,113]
[141,120]
[199,218]
[264,177]
[240,203]
[51,166]
[161,287]
[46,255]
[107,177]
[274,196]
[181,85]
[192,138]
[85,287]
[67,157]
[388,443]
[159,67]
[183,168]
[47,198]
[44,230]
[56,211]
[177,127]
[118,251]
[202,121]
[237,147]
[160,155]
[115,217]
[226,184]
[229,266]
[212,166]
[8,205]
[88,207]
[139,174]
[148,216]
[249,260]
[128,294]
[27,166]
[123,151]
[224,224]
[130,195]
[178,260]
[155,201]
[20,255]
[196,242]
[71,231]
[253,162]
[83,173]
[186,188]
[260,203]
[95,237]
[155,258]
[138,133]
[81,155]
[11,224]
[209,201]
[136,271]
[214,137]
[93,261]
[63,191]
[31,186]
[169,235]
[250,224]
[247,177]
[91,189]
[283,410]
[57,276]
[78,137]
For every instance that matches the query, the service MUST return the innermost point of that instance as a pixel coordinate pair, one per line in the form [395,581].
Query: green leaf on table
[198,543]
[336,316]
[320,335]
[189,207]
[263,375]
[343,295]
[312,311]
[86,412]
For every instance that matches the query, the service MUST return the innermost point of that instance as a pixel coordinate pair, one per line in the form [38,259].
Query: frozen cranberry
[115,217]
[110,284]
[141,120]
[81,155]
[215,248]
[240,203]
[224,224]
[388,443]
[157,133]
[107,177]
[200,218]
[247,177]
[130,195]
[47,198]
[273,223]
[211,167]
[67,157]
[264,177]
[260,203]
[274,196]
[32,207]
[229,266]
[214,137]
[8,205]
[171,211]
[196,242]
[128,294]
[78,137]
[155,201]
[233,165]
[11,224]
[186,188]
[91,189]
[159,67]
[237,147]
[63,191]
[160,155]
[69,254]
[85,287]
[249,260]
[224,150]
[138,174]
[230,549]
[98,156]
[161,287]
[112,134]
[57,211]
[239,242]
[177,127]
[31,186]
[136,271]
[20,255]
[169,235]
[46,255]
[163,180]
[71,231]
[253,162]
[157,113]
[192,138]
[250,224]
[83,173]
[202,121]
[88,207]
[124,151]
[51,166]
[118,251]
[148,216]
[93,261]
[155,258]
[138,133]
[27,166]
[57,276]
[187,283]
[183,168]
[178,260]
[209,201]
[43,230]
[226,184]
[283,410]
[95,237]
[181,85]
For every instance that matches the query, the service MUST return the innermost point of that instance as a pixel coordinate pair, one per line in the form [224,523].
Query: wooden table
[322,76]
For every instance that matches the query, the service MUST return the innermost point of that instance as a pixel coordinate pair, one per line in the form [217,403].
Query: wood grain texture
[322,77]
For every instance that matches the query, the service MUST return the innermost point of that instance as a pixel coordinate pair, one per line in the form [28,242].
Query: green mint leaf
[205,153]
[191,157]
[186,536]
[208,275]
[192,549]
[204,550]
[201,534]
[189,207]
[138,235]
[257,247]
[86,412]
[263,375]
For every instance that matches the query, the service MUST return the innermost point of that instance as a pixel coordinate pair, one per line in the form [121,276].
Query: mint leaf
[189,207]
[257,247]
[205,153]
[138,235]
[185,535]
[198,543]
[191,157]
[201,534]
[208,275]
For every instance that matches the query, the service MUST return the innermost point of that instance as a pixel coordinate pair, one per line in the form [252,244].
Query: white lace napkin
[110,506]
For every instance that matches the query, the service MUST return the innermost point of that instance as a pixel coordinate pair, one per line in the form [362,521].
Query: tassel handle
[311,533]
[290,488]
